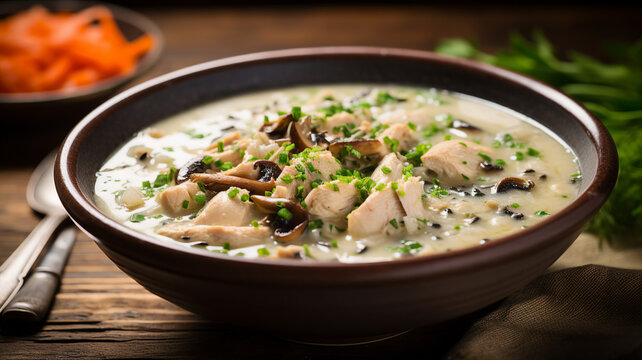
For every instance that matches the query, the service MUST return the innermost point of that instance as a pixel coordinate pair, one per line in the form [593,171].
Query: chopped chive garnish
[226,246]
[514,205]
[463,144]
[315,224]
[207,160]
[500,162]
[307,250]
[412,126]
[386,170]
[227,166]
[245,197]
[283,158]
[263,251]
[296,112]
[532,152]
[161,179]
[465,177]
[284,213]
[136,218]
[541,213]
[380,187]
[185,204]
[485,157]
[394,224]
[255,223]
[232,193]
[200,199]
[394,185]
[201,186]
[220,146]
[335,244]
[287,178]
[519,156]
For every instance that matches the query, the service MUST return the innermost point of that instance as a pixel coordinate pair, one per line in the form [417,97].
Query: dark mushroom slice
[220,182]
[279,128]
[285,228]
[193,166]
[511,183]
[366,147]
[488,167]
[463,125]
[514,215]
[268,170]
[304,137]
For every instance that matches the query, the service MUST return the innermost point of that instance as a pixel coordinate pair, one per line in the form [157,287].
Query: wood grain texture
[102,313]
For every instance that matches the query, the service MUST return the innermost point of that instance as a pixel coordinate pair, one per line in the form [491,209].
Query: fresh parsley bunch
[613,92]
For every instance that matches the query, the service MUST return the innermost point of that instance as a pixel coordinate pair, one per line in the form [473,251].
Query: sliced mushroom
[463,125]
[304,137]
[365,147]
[220,182]
[277,129]
[193,166]
[513,214]
[488,167]
[511,183]
[268,170]
[284,229]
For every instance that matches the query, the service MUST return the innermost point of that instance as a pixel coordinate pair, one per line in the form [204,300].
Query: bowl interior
[135,112]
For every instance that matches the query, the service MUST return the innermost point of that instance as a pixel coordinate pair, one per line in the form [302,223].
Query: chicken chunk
[336,120]
[373,216]
[410,195]
[392,162]
[223,210]
[398,132]
[218,235]
[455,162]
[260,145]
[333,200]
[320,165]
[173,198]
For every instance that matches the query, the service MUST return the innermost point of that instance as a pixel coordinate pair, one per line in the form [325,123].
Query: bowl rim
[534,238]
[120,13]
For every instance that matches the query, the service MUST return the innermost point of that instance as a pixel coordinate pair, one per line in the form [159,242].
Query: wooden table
[102,313]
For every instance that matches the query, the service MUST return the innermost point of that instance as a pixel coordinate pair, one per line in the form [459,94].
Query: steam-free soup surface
[342,172]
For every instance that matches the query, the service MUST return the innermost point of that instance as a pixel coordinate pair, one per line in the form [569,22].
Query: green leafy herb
[613,92]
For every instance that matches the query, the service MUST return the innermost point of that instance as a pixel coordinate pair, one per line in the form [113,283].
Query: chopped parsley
[136,218]
[284,213]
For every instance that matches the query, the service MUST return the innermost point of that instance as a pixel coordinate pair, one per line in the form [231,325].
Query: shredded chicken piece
[173,198]
[332,201]
[218,235]
[455,162]
[375,214]
[223,210]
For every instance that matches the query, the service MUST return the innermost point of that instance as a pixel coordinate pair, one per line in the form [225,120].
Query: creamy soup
[343,172]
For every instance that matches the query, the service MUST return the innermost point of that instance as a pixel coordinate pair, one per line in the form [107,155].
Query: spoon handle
[17,266]
[32,303]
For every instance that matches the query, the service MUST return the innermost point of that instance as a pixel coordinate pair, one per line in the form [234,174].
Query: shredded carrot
[45,51]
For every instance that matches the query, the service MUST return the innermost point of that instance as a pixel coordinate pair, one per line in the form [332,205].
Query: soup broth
[344,173]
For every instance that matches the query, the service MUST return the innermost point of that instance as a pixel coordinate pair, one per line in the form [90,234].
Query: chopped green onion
[284,213]
[185,204]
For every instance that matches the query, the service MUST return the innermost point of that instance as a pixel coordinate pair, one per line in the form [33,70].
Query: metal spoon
[42,197]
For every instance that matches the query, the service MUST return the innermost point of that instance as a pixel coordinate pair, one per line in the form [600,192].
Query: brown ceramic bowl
[328,299]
